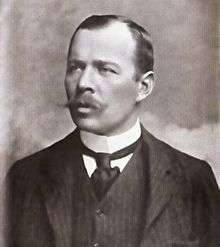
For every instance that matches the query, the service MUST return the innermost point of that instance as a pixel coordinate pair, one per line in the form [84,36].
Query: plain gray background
[183,109]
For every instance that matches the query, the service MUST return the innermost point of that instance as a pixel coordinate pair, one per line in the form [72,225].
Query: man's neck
[110,144]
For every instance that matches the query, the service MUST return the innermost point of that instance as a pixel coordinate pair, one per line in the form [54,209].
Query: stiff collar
[110,144]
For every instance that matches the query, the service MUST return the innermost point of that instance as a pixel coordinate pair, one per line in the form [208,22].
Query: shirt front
[109,144]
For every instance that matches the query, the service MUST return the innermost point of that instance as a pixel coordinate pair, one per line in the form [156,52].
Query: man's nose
[86,80]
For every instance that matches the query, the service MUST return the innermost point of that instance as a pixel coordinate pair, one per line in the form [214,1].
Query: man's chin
[88,124]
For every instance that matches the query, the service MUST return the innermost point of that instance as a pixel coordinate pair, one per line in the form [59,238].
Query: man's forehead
[114,35]
[111,31]
[110,40]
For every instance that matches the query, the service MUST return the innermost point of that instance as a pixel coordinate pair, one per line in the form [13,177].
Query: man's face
[100,81]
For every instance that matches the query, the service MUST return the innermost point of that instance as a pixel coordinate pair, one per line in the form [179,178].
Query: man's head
[107,74]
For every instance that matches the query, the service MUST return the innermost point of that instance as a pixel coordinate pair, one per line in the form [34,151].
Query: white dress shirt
[109,144]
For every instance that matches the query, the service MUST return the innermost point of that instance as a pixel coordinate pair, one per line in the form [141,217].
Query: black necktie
[104,176]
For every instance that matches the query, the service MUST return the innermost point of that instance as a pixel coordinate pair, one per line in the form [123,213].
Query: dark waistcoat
[116,220]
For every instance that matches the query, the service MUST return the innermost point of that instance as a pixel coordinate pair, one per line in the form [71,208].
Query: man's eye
[106,70]
[73,68]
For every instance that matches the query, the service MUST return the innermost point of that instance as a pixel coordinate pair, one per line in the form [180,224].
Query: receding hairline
[140,36]
[123,38]
[108,23]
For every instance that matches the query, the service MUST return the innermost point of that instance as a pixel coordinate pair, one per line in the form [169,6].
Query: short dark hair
[144,48]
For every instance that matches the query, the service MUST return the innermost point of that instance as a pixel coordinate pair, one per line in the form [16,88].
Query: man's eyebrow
[102,63]
[98,62]
[75,61]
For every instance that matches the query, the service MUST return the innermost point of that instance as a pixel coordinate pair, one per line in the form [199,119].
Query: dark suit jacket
[183,208]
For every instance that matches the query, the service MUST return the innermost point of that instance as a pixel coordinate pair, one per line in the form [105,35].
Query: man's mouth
[82,107]
[83,104]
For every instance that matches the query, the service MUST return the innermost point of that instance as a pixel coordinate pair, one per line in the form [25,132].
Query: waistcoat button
[99,212]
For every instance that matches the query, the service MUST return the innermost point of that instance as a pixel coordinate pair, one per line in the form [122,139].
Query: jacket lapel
[59,176]
[163,176]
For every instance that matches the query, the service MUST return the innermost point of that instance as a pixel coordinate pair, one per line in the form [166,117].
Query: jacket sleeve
[207,209]
[213,198]
[26,219]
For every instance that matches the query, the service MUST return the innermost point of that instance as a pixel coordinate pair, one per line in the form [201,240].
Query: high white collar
[110,144]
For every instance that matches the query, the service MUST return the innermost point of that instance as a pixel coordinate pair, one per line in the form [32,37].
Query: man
[110,182]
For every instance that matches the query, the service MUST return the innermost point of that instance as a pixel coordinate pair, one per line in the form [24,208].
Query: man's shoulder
[51,154]
[192,167]
[51,157]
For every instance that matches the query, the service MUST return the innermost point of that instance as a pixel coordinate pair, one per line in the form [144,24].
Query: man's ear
[145,85]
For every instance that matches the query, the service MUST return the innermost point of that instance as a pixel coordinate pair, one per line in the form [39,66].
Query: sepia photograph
[109,123]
